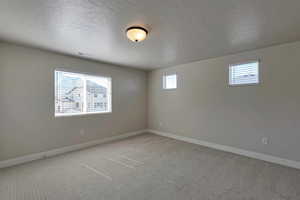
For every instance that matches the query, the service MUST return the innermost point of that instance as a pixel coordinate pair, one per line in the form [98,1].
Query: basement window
[244,74]
[169,81]
[80,94]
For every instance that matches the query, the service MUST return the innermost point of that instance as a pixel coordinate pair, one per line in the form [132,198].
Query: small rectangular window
[170,81]
[244,74]
[77,94]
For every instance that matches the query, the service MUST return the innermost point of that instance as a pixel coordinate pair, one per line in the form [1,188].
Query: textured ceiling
[180,30]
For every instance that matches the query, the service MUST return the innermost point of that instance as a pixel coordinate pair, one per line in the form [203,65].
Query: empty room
[149,100]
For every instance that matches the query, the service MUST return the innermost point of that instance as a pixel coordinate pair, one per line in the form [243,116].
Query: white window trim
[164,81]
[83,76]
[246,84]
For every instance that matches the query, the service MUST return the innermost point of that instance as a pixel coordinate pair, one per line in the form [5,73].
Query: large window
[170,81]
[77,94]
[244,74]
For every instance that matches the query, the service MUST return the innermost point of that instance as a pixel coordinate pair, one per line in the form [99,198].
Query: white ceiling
[180,30]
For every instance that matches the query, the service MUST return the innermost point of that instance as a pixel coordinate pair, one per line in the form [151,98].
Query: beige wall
[206,108]
[27,123]
[203,107]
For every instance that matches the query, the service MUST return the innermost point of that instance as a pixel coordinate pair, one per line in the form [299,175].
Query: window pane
[98,94]
[244,74]
[68,93]
[170,81]
[81,94]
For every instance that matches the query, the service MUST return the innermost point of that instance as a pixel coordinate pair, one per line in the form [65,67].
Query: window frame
[242,63]
[165,83]
[82,75]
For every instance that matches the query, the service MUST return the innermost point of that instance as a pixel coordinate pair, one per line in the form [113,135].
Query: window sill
[243,85]
[80,114]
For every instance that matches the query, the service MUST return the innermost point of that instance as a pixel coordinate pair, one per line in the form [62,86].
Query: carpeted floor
[149,167]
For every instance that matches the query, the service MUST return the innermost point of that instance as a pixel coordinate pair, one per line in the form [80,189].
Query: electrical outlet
[265,140]
[82,132]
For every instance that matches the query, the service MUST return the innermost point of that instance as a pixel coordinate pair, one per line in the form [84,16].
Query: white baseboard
[41,155]
[251,154]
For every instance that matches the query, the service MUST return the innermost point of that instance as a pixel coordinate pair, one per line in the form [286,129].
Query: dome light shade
[136,34]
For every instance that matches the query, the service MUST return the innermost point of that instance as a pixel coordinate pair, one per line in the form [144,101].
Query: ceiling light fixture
[136,34]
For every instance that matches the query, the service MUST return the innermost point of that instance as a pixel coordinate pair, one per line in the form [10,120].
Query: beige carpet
[149,167]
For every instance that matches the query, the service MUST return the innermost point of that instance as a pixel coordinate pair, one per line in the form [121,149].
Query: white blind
[170,81]
[243,74]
